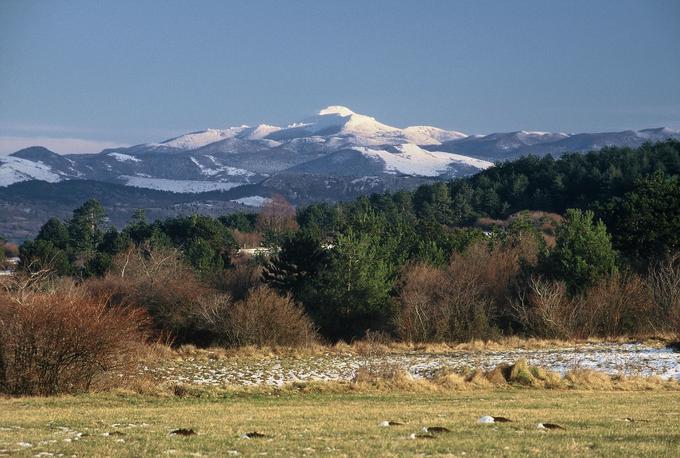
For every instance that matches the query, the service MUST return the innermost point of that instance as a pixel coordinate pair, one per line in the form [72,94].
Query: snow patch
[253,201]
[15,169]
[225,169]
[410,159]
[184,186]
[205,137]
[124,157]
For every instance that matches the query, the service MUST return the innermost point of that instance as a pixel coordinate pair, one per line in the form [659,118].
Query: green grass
[346,424]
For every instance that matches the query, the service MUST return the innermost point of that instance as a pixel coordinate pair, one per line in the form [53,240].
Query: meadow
[344,423]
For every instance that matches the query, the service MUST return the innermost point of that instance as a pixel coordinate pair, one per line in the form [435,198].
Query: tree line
[529,246]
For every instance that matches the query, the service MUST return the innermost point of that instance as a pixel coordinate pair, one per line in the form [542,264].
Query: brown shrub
[663,282]
[190,311]
[497,267]
[441,305]
[277,215]
[11,250]
[619,305]
[266,318]
[64,341]
[161,283]
[545,310]
[237,281]
[460,302]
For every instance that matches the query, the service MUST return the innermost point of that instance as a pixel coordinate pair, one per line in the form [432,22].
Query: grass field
[345,424]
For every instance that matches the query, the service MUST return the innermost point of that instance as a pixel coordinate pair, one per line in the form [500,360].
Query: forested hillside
[585,245]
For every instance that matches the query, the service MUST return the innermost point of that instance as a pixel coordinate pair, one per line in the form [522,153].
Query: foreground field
[345,424]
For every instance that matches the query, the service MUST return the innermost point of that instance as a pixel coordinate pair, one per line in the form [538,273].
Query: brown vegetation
[185,308]
[459,302]
[266,318]
[62,340]
[619,305]
[664,284]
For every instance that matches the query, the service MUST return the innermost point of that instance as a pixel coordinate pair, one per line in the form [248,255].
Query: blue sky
[88,74]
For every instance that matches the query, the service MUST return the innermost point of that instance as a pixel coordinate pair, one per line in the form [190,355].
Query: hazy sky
[88,74]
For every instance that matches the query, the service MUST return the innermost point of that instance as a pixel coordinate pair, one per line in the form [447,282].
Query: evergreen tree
[55,231]
[646,221]
[351,294]
[85,228]
[583,253]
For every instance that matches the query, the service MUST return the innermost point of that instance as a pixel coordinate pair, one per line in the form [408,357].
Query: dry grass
[381,347]
[346,424]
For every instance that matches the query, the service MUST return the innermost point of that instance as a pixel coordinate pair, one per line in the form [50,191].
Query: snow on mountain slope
[342,126]
[188,186]
[215,168]
[428,135]
[258,132]
[195,140]
[120,157]
[15,169]
[409,159]
[253,201]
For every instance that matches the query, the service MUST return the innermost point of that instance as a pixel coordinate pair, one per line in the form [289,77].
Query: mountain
[335,154]
[334,142]
[511,145]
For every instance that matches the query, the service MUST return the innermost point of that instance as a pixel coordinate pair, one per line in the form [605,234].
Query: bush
[266,318]
[239,280]
[442,305]
[545,310]
[620,305]
[160,282]
[663,281]
[64,341]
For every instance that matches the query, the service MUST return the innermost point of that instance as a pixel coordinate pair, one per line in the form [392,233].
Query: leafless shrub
[161,283]
[619,305]
[237,281]
[461,301]
[63,340]
[616,306]
[277,215]
[441,305]
[265,318]
[664,284]
[497,267]
[374,343]
[545,309]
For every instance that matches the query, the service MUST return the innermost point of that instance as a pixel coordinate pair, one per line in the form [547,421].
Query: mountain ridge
[336,144]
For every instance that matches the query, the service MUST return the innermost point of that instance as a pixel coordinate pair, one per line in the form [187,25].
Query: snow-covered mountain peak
[336,110]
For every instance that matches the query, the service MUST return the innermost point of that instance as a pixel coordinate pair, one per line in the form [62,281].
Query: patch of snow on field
[625,359]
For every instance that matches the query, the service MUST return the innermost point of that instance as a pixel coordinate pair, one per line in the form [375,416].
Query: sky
[79,76]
